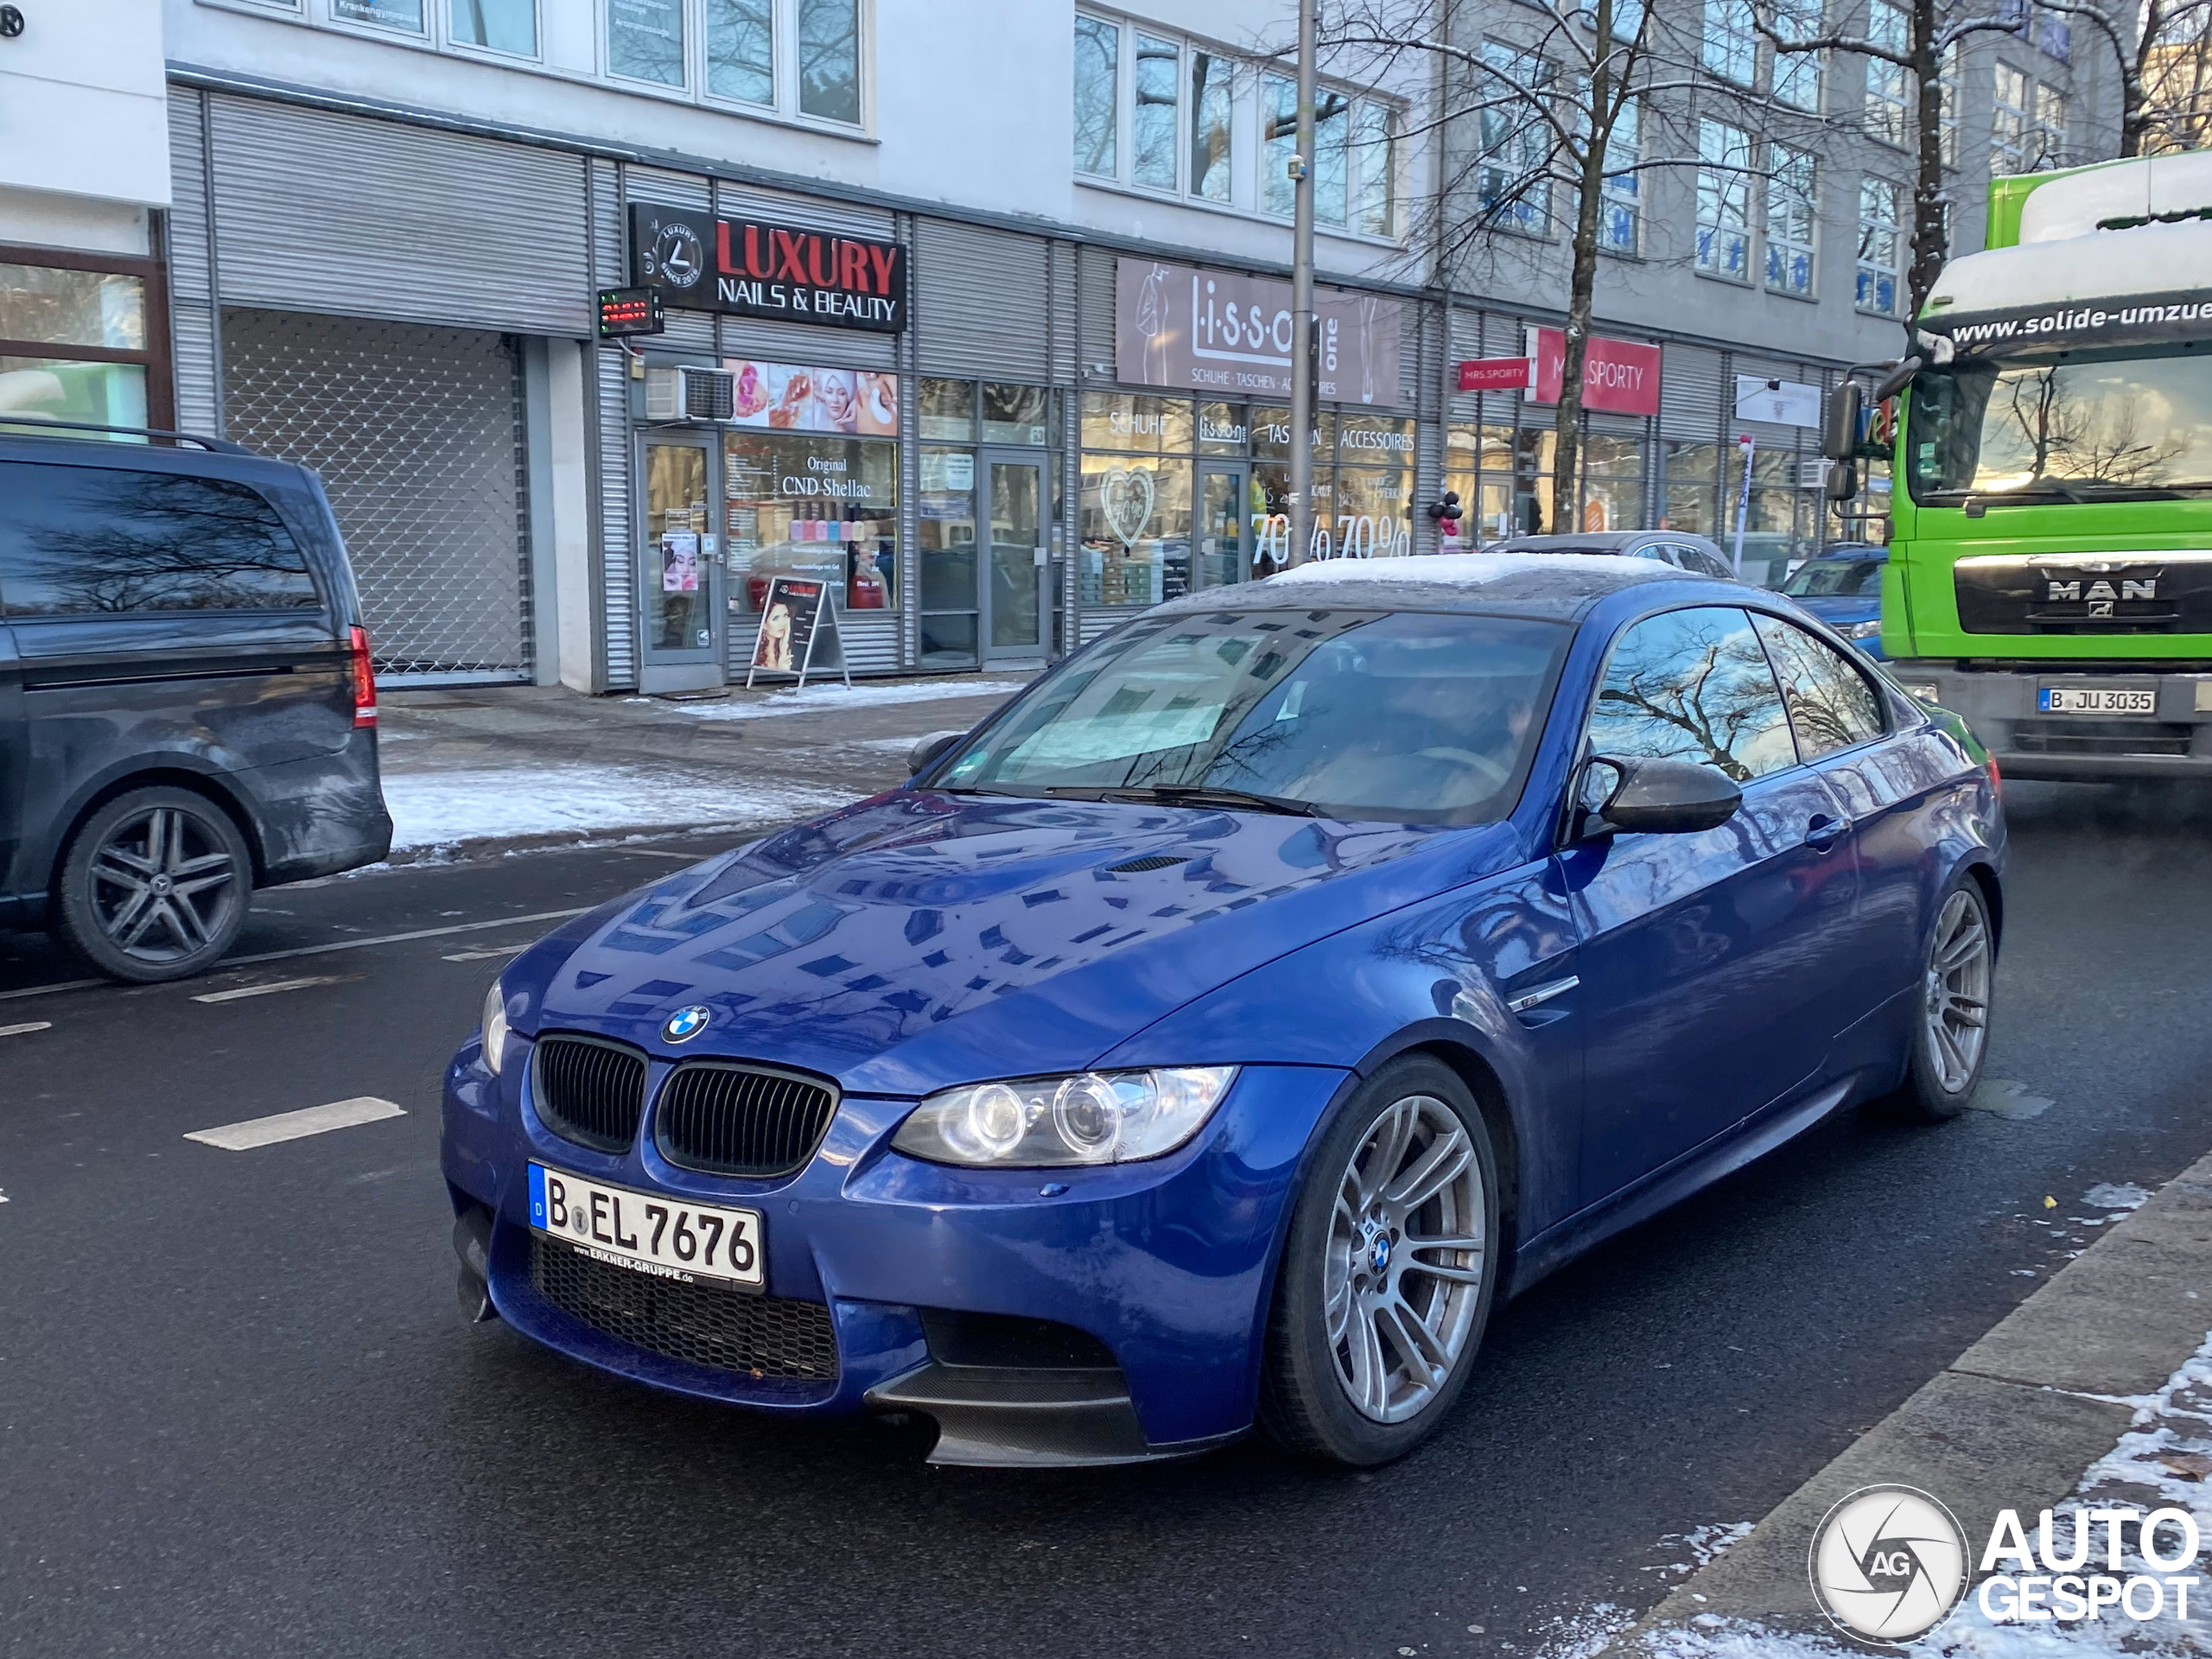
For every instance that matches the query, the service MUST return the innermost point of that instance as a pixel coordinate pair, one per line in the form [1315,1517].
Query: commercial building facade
[996,372]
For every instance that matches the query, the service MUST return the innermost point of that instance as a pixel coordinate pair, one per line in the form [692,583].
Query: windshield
[1403,717]
[2076,428]
[1834,578]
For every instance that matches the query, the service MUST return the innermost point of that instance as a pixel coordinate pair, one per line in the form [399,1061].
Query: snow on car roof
[1450,568]
[1559,585]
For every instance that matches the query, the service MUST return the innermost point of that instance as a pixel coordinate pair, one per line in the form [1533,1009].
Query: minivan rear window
[89,541]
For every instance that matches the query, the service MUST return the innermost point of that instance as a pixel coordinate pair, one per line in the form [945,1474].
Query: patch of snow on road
[2115,1195]
[436,808]
[818,699]
[1584,1635]
[1704,1544]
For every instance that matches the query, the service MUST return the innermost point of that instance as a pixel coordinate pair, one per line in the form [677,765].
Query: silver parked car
[1678,548]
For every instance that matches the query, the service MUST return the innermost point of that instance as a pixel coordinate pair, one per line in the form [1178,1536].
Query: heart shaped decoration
[1125,498]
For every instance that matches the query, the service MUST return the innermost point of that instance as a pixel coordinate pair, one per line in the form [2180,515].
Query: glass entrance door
[1014,491]
[1223,528]
[681,569]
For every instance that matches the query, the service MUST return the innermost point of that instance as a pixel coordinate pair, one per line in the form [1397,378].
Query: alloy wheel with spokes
[1404,1267]
[1388,1270]
[1957,1005]
[155,885]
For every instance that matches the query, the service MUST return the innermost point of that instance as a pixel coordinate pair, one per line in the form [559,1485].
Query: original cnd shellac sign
[753,268]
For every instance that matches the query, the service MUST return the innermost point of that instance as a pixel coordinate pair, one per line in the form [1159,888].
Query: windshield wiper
[1213,795]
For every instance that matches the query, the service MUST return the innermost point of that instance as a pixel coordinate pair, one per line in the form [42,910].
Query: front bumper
[1166,1265]
[2174,741]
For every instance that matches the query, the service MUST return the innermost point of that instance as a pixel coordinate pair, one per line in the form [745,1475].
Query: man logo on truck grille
[2102,593]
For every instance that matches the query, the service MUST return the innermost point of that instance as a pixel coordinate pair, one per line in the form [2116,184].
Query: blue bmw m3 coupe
[1218,1033]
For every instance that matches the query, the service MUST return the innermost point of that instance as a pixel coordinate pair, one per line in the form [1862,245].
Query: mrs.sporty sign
[754,268]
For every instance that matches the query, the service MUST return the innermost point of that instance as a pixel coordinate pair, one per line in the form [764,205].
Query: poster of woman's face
[773,650]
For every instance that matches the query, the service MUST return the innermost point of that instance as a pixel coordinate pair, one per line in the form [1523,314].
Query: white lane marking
[651,852]
[487,956]
[292,1126]
[324,950]
[270,989]
[26,1028]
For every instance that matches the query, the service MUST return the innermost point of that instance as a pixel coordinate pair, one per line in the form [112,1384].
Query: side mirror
[1842,482]
[927,750]
[1839,438]
[1658,798]
[1899,378]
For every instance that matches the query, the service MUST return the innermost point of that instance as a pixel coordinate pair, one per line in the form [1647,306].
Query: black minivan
[186,708]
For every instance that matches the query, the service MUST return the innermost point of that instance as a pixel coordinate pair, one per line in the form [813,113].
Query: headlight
[495,1027]
[1109,1117]
[1863,631]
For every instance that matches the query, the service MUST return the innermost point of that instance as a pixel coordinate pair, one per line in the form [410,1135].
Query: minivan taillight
[365,680]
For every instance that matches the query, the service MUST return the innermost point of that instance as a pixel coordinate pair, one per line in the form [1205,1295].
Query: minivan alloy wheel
[1957,1001]
[163,885]
[1402,1272]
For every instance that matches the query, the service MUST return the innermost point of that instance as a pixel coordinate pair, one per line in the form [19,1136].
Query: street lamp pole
[1302,376]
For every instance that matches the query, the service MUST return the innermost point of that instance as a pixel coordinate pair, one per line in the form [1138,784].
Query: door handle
[1823,830]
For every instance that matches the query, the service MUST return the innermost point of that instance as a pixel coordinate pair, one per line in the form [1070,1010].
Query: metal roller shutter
[192,312]
[437,227]
[795,342]
[750,202]
[1095,309]
[611,414]
[1691,406]
[983,304]
[417,434]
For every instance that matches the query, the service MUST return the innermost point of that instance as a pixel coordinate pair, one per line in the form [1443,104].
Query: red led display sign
[629,311]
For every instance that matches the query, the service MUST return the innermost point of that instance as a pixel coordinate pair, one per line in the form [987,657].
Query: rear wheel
[1389,1272]
[1952,1034]
[155,885]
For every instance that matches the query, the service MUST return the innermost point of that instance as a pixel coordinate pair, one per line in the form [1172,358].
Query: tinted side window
[1697,559]
[99,540]
[1830,705]
[1692,685]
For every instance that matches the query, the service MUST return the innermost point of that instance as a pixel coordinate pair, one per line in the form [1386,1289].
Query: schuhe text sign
[1216,332]
[754,268]
[1619,376]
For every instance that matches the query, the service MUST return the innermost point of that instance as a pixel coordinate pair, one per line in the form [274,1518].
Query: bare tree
[1565,126]
[2167,83]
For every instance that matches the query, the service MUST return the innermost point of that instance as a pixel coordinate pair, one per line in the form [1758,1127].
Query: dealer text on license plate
[648,1232]
[2098,700]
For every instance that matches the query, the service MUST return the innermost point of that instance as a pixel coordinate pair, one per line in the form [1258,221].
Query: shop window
[76,344]
[1134,521]
[1223,430]
[1151,121]
[644,40]
[1212,108]
[829,60]
[1098,71]
[497,25]
[802,499]
[948,410]
[741,50]
[1022,415]
[404,16]
[1691,473]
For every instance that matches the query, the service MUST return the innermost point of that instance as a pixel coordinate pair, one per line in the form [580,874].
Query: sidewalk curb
[2012,1423]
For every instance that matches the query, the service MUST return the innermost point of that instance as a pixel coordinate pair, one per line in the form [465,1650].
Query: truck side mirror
[1842,482]
[1899,378]
[1840,440]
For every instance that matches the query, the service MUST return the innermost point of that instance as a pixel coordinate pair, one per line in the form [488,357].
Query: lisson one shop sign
[1213,331]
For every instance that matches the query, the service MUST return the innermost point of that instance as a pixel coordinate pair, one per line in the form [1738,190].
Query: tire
[1340,1384]
[153,885]
[1950,1037]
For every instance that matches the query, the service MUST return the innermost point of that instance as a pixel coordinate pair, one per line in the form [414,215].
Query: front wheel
[1388,1274]
[1952,1034]
[155,885]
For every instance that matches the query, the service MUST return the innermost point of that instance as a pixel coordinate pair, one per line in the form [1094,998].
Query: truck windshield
[2074,428]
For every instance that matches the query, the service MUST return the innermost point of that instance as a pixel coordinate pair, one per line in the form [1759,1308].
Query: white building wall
[84,125]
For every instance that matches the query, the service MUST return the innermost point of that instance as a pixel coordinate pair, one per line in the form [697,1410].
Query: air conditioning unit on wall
[689,395]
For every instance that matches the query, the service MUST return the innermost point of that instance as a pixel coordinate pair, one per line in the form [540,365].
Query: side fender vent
[1150,862]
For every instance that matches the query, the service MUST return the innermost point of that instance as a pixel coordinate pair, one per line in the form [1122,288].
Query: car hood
[917,940]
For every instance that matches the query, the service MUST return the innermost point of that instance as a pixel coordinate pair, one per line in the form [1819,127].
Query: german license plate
[648,1232]
[2098,700]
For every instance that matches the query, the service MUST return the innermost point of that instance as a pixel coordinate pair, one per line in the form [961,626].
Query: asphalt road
[240,1413]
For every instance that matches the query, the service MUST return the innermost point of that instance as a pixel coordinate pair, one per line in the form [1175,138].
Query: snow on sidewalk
[438,809]
[819,699]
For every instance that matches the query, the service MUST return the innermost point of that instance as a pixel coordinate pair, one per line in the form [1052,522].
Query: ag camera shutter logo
[1889,1563]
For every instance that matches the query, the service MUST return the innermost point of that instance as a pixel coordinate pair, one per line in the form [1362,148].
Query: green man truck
[2050,575]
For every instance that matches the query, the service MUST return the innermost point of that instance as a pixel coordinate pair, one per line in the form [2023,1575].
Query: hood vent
[1150,862]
